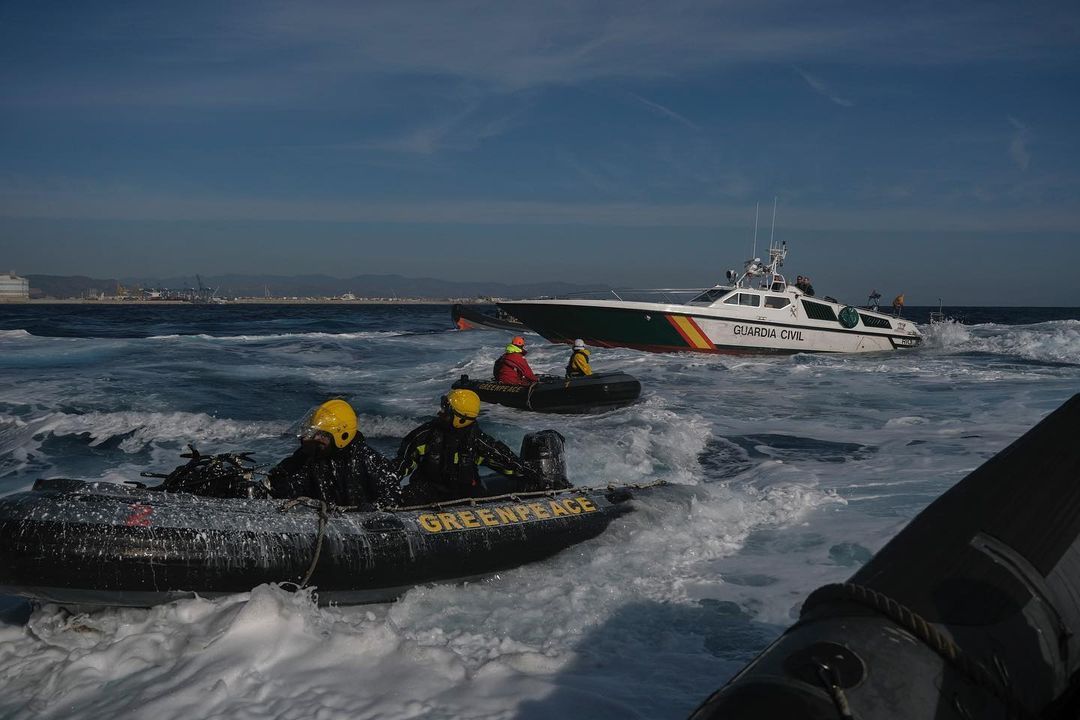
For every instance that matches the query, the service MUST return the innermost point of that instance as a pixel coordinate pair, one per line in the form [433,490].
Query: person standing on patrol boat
[444,455]
[334,463]
[579,361]
[512,368]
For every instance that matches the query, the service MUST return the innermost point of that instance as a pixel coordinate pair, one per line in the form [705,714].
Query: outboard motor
[972,611]
[543,452]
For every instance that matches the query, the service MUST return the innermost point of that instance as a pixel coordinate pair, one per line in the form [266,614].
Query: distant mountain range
[73,286]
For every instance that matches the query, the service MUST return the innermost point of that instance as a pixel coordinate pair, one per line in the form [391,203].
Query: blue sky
[924,147]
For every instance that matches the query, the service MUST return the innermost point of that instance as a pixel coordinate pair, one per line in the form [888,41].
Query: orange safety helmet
[519,341]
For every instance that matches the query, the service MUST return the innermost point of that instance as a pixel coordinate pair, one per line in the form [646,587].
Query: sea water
[787,473]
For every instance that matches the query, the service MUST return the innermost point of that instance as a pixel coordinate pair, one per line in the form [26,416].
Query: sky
[930,148]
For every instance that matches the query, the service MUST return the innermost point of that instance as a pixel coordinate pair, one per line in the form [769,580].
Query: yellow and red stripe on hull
[694,336]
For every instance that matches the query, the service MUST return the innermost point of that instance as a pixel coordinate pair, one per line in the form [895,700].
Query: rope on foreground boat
[925,631]
[325,509]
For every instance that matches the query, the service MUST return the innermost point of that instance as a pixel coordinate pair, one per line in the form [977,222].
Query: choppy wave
[137,429]
[785,473]
[1055,342]
[272,337]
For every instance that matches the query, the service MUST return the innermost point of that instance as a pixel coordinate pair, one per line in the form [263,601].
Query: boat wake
[1056,341]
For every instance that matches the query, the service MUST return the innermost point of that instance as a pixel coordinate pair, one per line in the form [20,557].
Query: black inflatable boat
[467,317]
[100,543]
[972,611]
[555,394]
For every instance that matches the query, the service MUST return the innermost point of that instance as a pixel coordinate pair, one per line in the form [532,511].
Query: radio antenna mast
[773,230]
[753,252]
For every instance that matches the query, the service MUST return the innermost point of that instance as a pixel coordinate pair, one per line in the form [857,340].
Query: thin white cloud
[462,130]
[78,200]
[665,111]
[267,52]
[821,89]
[1018,146]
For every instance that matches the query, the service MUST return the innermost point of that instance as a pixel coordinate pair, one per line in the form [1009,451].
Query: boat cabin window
[818,311]
[778,285]
[748,299]
[710,296]
[875,321]
[775,301]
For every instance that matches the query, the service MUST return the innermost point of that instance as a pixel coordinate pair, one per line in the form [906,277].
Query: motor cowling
[543,452]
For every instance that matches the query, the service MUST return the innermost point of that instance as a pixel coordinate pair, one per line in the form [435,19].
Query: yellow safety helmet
[464,405]
[336,418]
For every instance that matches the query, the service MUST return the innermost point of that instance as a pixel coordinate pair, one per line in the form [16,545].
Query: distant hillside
[305,286]
[68,286]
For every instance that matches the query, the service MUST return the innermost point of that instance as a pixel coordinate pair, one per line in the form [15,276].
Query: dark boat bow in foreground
[972,611]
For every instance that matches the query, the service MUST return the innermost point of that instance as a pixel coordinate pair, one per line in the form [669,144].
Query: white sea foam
[385,427]
[786,472]
[274,337]
[1056,341]
[480,650]
[141,428]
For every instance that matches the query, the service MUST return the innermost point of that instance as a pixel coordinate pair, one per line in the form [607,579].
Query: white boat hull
[718,328]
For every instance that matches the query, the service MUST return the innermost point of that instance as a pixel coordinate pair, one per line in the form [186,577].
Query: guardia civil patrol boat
[212,532]
[757,312]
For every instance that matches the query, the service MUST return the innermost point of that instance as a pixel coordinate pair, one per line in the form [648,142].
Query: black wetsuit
[354,475]
[446,462]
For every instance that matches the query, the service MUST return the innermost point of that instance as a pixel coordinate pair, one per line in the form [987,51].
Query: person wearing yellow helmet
[444,455]
[579,361]
[334,463]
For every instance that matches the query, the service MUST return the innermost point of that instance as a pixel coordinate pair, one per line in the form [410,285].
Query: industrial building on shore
[14,288]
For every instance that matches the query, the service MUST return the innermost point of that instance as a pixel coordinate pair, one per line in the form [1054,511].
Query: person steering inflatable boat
[334,463]
[579,361]
[512,368]
[444,455]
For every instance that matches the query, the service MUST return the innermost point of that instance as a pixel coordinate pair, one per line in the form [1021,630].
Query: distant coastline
[250,301]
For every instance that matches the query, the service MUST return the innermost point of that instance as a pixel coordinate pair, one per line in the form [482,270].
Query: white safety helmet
[579,344]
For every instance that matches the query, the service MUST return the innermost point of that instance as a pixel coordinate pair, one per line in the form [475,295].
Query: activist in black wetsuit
[444,455]
[333,463]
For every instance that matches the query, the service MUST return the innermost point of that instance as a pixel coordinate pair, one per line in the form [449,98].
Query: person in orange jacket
[512,368]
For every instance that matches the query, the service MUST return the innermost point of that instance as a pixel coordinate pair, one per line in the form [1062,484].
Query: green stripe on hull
[600,326]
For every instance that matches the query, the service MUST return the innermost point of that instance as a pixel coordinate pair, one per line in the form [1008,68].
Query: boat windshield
[710,296]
